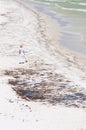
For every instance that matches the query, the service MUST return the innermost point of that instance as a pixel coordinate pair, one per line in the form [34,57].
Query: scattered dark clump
[46,86]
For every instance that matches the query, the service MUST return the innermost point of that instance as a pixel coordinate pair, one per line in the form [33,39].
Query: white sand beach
[22,24]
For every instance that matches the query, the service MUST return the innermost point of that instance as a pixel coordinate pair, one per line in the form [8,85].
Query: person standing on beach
[21,54]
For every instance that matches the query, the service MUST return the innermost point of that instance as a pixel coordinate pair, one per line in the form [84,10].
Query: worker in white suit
[22,55]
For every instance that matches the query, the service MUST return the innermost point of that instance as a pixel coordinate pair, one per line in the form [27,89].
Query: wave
[66,5]
[84,4]
[73,9]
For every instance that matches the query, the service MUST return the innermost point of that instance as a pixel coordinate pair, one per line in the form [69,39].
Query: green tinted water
[71,15]
[74,11]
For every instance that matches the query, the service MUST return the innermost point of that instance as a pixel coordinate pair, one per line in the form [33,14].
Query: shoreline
[78,48]
[50,51]
[50,67]
[53,29]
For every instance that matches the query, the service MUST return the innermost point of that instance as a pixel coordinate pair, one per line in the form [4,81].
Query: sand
[40,36]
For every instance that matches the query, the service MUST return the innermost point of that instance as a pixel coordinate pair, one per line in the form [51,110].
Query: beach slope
[49,91]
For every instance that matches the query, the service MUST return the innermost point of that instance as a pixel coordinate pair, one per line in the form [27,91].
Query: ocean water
[74,11]
[71,15]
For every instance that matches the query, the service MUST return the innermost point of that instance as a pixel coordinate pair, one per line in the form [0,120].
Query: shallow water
[73,42]
[71,16]
[73,11]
